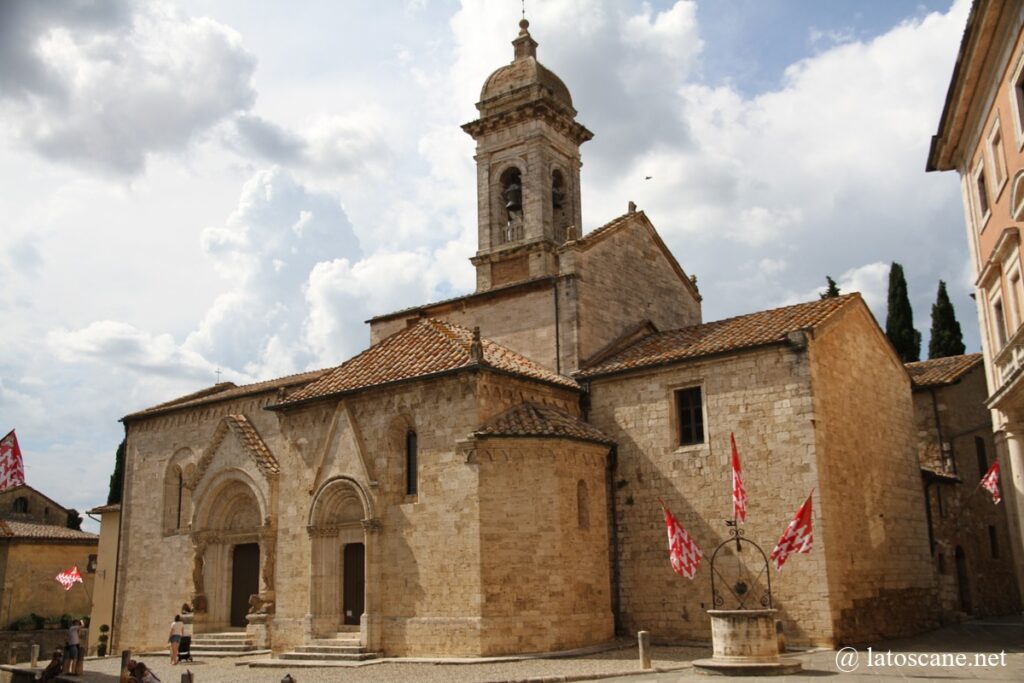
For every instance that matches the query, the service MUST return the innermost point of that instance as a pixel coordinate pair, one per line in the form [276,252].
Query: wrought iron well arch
[740,590]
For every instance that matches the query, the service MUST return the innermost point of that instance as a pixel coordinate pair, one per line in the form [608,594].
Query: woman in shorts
[177,630]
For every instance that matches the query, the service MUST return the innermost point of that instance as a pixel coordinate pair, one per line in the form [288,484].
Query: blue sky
[192,186]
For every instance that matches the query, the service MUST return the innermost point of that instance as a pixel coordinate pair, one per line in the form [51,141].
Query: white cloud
[108,94]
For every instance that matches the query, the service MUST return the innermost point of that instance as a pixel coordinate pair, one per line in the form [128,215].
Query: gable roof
[634,218]
[225,391]
[430,347]
[732,334]
[530,419]
[20,487]
[942,371]
[15,529]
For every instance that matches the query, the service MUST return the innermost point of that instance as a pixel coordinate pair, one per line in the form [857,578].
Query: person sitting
[144,674]
[54,668]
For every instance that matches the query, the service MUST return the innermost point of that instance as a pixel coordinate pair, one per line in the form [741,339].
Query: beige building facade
[483,479]
[981,136]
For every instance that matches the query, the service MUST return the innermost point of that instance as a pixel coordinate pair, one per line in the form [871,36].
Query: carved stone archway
[341,516]
[230,513]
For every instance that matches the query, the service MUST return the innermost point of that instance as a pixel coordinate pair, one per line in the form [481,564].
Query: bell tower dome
[528,169]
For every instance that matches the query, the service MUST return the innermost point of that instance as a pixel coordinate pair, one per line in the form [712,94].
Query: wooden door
[245,580]
[354,583]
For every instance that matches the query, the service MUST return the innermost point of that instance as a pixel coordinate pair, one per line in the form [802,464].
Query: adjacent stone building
[36,545]
[969,534]
[484,478]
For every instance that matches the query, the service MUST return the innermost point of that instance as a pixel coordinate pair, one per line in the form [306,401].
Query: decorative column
[1010,449]
[200,604]
[369,623]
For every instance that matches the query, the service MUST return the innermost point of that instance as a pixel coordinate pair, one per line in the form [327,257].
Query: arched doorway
[226,569]
[338,557]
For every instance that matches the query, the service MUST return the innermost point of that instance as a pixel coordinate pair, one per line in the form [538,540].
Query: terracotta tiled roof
[253,443]
[429,347]
[226,391]
[732,334]
[10,528]
[940,371]
[111,507]
[535,420]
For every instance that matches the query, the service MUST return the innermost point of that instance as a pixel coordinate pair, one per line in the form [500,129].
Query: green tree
[832,290]
[117,478]
[946,339]
[899,321]
[74,520]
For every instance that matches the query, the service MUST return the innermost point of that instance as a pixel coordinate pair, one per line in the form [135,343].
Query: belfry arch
[341,522]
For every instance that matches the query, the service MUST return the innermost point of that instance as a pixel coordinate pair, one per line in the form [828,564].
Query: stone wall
[624,279]
[871,511]
[764,396]
[155,570]
[522,319]
[543,544]
[29,583]
[41,509]
[961,513]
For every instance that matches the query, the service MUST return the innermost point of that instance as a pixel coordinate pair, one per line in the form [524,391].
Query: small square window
[690,411]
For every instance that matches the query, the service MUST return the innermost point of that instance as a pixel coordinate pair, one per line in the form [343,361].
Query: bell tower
[528,169]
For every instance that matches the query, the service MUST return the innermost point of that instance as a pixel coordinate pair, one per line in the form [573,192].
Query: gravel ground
[227,670]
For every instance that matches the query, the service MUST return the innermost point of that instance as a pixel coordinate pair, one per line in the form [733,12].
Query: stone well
[744,643]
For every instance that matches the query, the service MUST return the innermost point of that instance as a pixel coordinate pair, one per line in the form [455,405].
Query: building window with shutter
[690,415]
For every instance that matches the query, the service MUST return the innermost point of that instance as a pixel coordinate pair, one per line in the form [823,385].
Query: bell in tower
[528,169]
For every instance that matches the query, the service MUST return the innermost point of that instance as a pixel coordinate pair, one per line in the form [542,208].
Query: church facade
[484,478]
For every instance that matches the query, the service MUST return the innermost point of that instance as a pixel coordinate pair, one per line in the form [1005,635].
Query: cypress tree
[899,321]
[832,290]
[117,478]
[946,339]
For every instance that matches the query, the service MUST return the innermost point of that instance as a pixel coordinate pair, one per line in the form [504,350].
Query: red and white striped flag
[798,536]
[70,577]
[739,493]
[12,468]
[683,552]
[990,482]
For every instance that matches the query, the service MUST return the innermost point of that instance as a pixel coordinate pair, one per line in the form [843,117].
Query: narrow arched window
[512,205]
[582,505]
[411,463]
[21,504]
[557,190]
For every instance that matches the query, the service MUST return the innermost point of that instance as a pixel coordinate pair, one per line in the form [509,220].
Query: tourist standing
[71,648]
[177,631]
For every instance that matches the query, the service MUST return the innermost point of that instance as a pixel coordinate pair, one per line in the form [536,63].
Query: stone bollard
[126,656]
[186,677]
[34,658]
[645,649]
[287,679]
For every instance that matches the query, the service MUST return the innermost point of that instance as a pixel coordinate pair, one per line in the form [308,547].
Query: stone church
[484,478]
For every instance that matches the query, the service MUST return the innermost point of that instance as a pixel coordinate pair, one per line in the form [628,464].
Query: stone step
[336,657]
[247,647]
[332,649]
[226,635]
[344,642]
